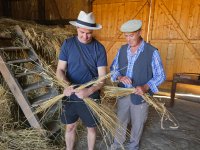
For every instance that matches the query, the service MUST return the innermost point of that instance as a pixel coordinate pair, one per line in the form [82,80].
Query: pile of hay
[45,40]
[28,139]
[6,104]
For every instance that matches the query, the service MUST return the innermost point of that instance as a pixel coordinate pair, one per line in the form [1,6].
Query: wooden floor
[186,137]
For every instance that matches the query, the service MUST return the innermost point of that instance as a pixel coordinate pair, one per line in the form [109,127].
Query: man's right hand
[69,91]
[124,80]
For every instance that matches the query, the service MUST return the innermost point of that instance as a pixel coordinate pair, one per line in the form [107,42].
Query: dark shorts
[72,110]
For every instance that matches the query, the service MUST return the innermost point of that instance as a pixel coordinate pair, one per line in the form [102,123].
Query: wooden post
[150,20]
[90,5]
[41,9]
[6,8]
[173,90]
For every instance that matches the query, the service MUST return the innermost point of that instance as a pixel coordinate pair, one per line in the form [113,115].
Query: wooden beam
[194,51]
[150,20]
[6,8]
[90,2]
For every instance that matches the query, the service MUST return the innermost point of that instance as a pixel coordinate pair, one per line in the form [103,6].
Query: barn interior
[34,30]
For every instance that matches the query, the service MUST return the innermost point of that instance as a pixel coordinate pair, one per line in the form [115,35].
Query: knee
[91,130]
[70,128]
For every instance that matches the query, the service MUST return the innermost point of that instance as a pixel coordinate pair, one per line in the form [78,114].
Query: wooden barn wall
[52,9]
[24,9]
[172,26]
[1,8]
[65,9]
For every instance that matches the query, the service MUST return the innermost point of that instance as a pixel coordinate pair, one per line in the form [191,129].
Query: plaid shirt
[157,68]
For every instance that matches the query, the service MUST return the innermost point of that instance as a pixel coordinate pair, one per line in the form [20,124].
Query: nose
[128,38]
[85,36]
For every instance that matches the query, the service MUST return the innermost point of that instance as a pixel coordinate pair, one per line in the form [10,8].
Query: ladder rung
[43,98]
[27,73]
[14,48]
[20,61]
[36,85]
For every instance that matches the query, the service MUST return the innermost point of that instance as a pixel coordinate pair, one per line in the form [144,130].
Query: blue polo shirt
[94,53]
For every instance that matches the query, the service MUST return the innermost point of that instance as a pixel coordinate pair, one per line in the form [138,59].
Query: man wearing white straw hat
[137,64]
[82,59]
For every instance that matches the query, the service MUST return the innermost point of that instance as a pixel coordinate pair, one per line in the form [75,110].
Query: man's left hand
[140,90]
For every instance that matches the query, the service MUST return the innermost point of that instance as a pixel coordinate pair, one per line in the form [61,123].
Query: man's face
[84,35]
[133,38]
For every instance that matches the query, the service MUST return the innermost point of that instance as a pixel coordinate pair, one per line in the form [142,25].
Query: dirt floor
[186,137]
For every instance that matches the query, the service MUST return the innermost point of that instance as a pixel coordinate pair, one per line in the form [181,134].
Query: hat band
[86,24]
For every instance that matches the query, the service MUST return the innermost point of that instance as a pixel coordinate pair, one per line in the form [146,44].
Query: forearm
[101,73]
[60,74]
[153,84]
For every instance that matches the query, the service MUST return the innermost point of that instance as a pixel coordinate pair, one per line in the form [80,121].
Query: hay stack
[6,103]
[45,40]
[28,139]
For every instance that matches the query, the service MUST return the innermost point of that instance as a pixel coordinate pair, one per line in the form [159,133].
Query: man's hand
[124,80]
[69,91]
[84,93]
[140,90]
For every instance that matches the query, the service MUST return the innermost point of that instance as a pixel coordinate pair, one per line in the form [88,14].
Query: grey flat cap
[131,26]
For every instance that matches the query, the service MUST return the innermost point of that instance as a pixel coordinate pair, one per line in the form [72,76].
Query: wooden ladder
[9,67]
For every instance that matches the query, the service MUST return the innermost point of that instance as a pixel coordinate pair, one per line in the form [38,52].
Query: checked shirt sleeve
[158,73]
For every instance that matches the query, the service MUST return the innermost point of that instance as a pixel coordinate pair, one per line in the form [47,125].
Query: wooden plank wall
[174,29]
[1,8]
[54,9]
[24,9]
[65,9]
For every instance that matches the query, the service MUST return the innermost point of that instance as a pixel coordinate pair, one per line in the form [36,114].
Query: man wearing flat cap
[137,64]
[82,59]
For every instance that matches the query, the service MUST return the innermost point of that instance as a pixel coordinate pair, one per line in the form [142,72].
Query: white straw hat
[131,26]
[87,21]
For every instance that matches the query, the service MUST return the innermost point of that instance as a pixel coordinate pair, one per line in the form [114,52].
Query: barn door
[171,26]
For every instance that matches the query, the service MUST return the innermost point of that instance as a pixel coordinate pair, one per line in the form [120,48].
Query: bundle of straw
[44,106]
[107,118]
[111,91]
